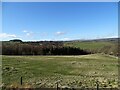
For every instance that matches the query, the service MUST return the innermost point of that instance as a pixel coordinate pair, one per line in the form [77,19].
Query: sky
[60,0]
[36,21]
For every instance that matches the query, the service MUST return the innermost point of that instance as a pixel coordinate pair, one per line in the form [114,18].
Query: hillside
[39,48]
[107,46]
[73,47]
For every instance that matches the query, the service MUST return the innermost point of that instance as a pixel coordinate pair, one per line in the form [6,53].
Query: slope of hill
[39,48]
[107,46]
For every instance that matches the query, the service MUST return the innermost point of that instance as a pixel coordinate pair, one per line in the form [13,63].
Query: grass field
[69,71]
[107,47]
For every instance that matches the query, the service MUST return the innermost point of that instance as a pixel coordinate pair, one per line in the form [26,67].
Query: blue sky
[30,21]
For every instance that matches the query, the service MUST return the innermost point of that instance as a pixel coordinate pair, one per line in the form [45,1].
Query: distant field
[70,71]
[106,47]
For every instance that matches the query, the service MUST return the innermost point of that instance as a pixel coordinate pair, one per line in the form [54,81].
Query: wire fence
[57,87]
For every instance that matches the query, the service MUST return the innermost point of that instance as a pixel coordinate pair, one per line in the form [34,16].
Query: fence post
[57,85]
[97,85]
[21,81]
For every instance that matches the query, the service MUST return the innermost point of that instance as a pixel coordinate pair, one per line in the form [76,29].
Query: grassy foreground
[69,71]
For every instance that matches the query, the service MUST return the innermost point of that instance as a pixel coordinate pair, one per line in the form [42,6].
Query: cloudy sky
[30,21]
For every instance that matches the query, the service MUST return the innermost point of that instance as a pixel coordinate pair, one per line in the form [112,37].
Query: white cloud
[106,36]
[5,35]
[25,31]
[65,39]
[60,33]
[28,33]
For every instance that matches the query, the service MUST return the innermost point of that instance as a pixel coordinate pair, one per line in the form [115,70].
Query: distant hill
[106,46]
[103,39]
[16,40]
[17,47]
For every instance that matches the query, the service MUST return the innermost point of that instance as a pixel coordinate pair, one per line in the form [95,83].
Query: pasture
[70,71]
[107,47]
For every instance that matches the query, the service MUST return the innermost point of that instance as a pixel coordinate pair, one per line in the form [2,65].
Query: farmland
[70,71]
[107,47]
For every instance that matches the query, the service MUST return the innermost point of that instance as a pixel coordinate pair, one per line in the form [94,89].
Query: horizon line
[63,40]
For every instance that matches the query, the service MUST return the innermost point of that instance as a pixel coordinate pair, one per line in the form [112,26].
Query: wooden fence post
[21,81]
[57,85]
[97,85]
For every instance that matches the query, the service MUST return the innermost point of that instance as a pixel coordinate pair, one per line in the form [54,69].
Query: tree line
[39,48]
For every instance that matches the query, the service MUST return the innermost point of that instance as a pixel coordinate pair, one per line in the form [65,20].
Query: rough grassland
[70,71]
[96,47]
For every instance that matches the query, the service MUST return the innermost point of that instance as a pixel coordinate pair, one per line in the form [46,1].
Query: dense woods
[17,47]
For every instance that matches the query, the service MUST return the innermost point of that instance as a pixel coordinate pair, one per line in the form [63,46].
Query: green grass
[95,46]
[88,45]
[72,71]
